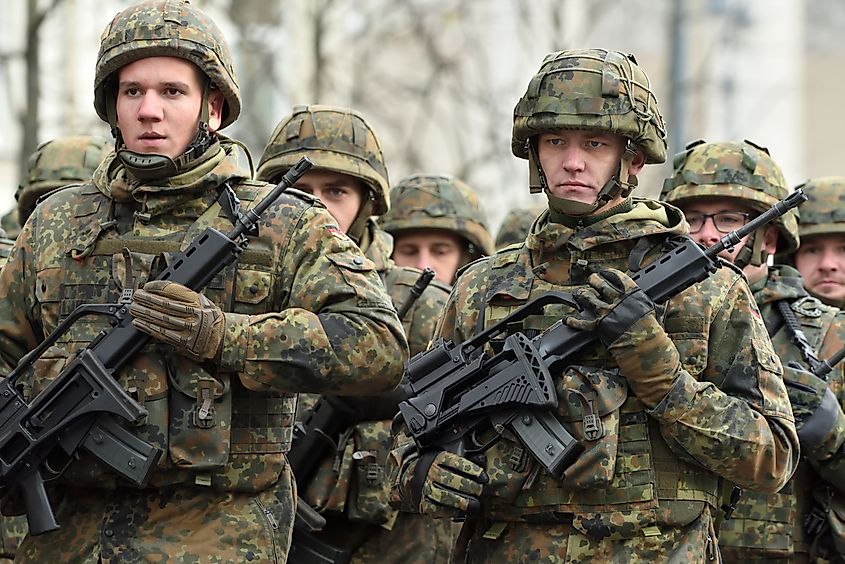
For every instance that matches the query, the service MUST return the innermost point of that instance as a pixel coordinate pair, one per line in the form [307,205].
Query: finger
[454,464]
[588,300]
[172,291]
[606,289]
[161,303]
[160,333]
[156,317]
[581,324]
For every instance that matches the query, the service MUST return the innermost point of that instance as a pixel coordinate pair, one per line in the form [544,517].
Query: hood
[782,283]
[645,218]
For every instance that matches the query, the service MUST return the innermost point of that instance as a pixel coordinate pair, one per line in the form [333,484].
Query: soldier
[55,163]
[301,310]
[684,392]
[719,186]
[436,221]
[350,178]
[516,225]
[821,257]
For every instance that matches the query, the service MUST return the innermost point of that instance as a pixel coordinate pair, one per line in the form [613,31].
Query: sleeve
[19,332]
[829,457]
[735,418]
[338,332]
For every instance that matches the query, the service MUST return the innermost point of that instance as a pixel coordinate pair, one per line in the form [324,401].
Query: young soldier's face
[342,194]
[578,163]
[711,219]
[821,261]
[441,250]
[158,105]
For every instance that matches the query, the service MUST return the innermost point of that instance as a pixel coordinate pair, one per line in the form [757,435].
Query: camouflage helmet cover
[824,211]
[742,171]
[59,162]
[334,138]
[591,89]
[516,225]
[435,201]
[165,28]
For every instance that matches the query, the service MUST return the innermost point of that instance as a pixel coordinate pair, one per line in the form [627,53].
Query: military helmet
[743,171]
[824,211]
[437,201]
[334,138]
[590,89]
[164,28]
[56,163]
[515,226]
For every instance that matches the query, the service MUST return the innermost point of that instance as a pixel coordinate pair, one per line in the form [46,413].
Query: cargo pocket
[329,489]
[369,491]
[589,409]
[200,416]
[352,268]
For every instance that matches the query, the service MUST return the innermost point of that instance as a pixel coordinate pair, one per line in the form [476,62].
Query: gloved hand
[625,322]
[177,315]
[819,419]
[450,488]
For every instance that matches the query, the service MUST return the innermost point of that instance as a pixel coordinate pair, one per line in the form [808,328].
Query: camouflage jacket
[341,484]
[5,249]
[771,525]
[304,311]
[727,415]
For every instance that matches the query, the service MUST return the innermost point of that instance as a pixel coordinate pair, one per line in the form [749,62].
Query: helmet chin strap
[621,184]
[752,251]
[152,166]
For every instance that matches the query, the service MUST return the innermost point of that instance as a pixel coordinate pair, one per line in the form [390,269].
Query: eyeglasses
[724,222]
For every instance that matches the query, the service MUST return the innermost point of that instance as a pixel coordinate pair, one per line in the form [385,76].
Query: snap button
[253,289]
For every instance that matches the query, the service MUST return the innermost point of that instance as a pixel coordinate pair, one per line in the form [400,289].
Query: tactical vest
[771,525]
[213,431]
[627,469]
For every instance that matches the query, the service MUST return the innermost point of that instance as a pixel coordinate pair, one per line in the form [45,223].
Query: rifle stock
[453,389]
[78,408]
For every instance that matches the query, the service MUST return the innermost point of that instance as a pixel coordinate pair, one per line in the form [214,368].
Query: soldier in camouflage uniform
[55,163]
[436,221]
[516,225]
[350,177]
[719,186]
[821,257]
[685,392]
[301,310]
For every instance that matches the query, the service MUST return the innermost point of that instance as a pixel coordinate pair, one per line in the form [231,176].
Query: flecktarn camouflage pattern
[824,211]
[164,28]
[351,488]
[516,225]
[434,201]
[57,163]
[770,527]
[334,138]
[647,489]
[738,170]
[302,281]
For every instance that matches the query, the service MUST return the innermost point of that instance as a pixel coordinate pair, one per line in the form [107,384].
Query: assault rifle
[82,406]
[456,391]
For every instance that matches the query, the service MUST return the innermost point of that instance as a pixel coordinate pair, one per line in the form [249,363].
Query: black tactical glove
[623,317]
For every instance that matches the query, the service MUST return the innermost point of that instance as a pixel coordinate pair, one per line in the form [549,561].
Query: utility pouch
[369,490]
[200,416]
[589,409]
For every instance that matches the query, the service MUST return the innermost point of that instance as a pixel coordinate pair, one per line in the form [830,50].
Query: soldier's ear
[216,100]
[637,163]
[770,242]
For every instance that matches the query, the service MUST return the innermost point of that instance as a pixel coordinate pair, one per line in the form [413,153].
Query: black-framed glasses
[724,222]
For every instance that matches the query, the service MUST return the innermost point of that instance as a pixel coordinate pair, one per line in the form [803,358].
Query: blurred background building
[438,79]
